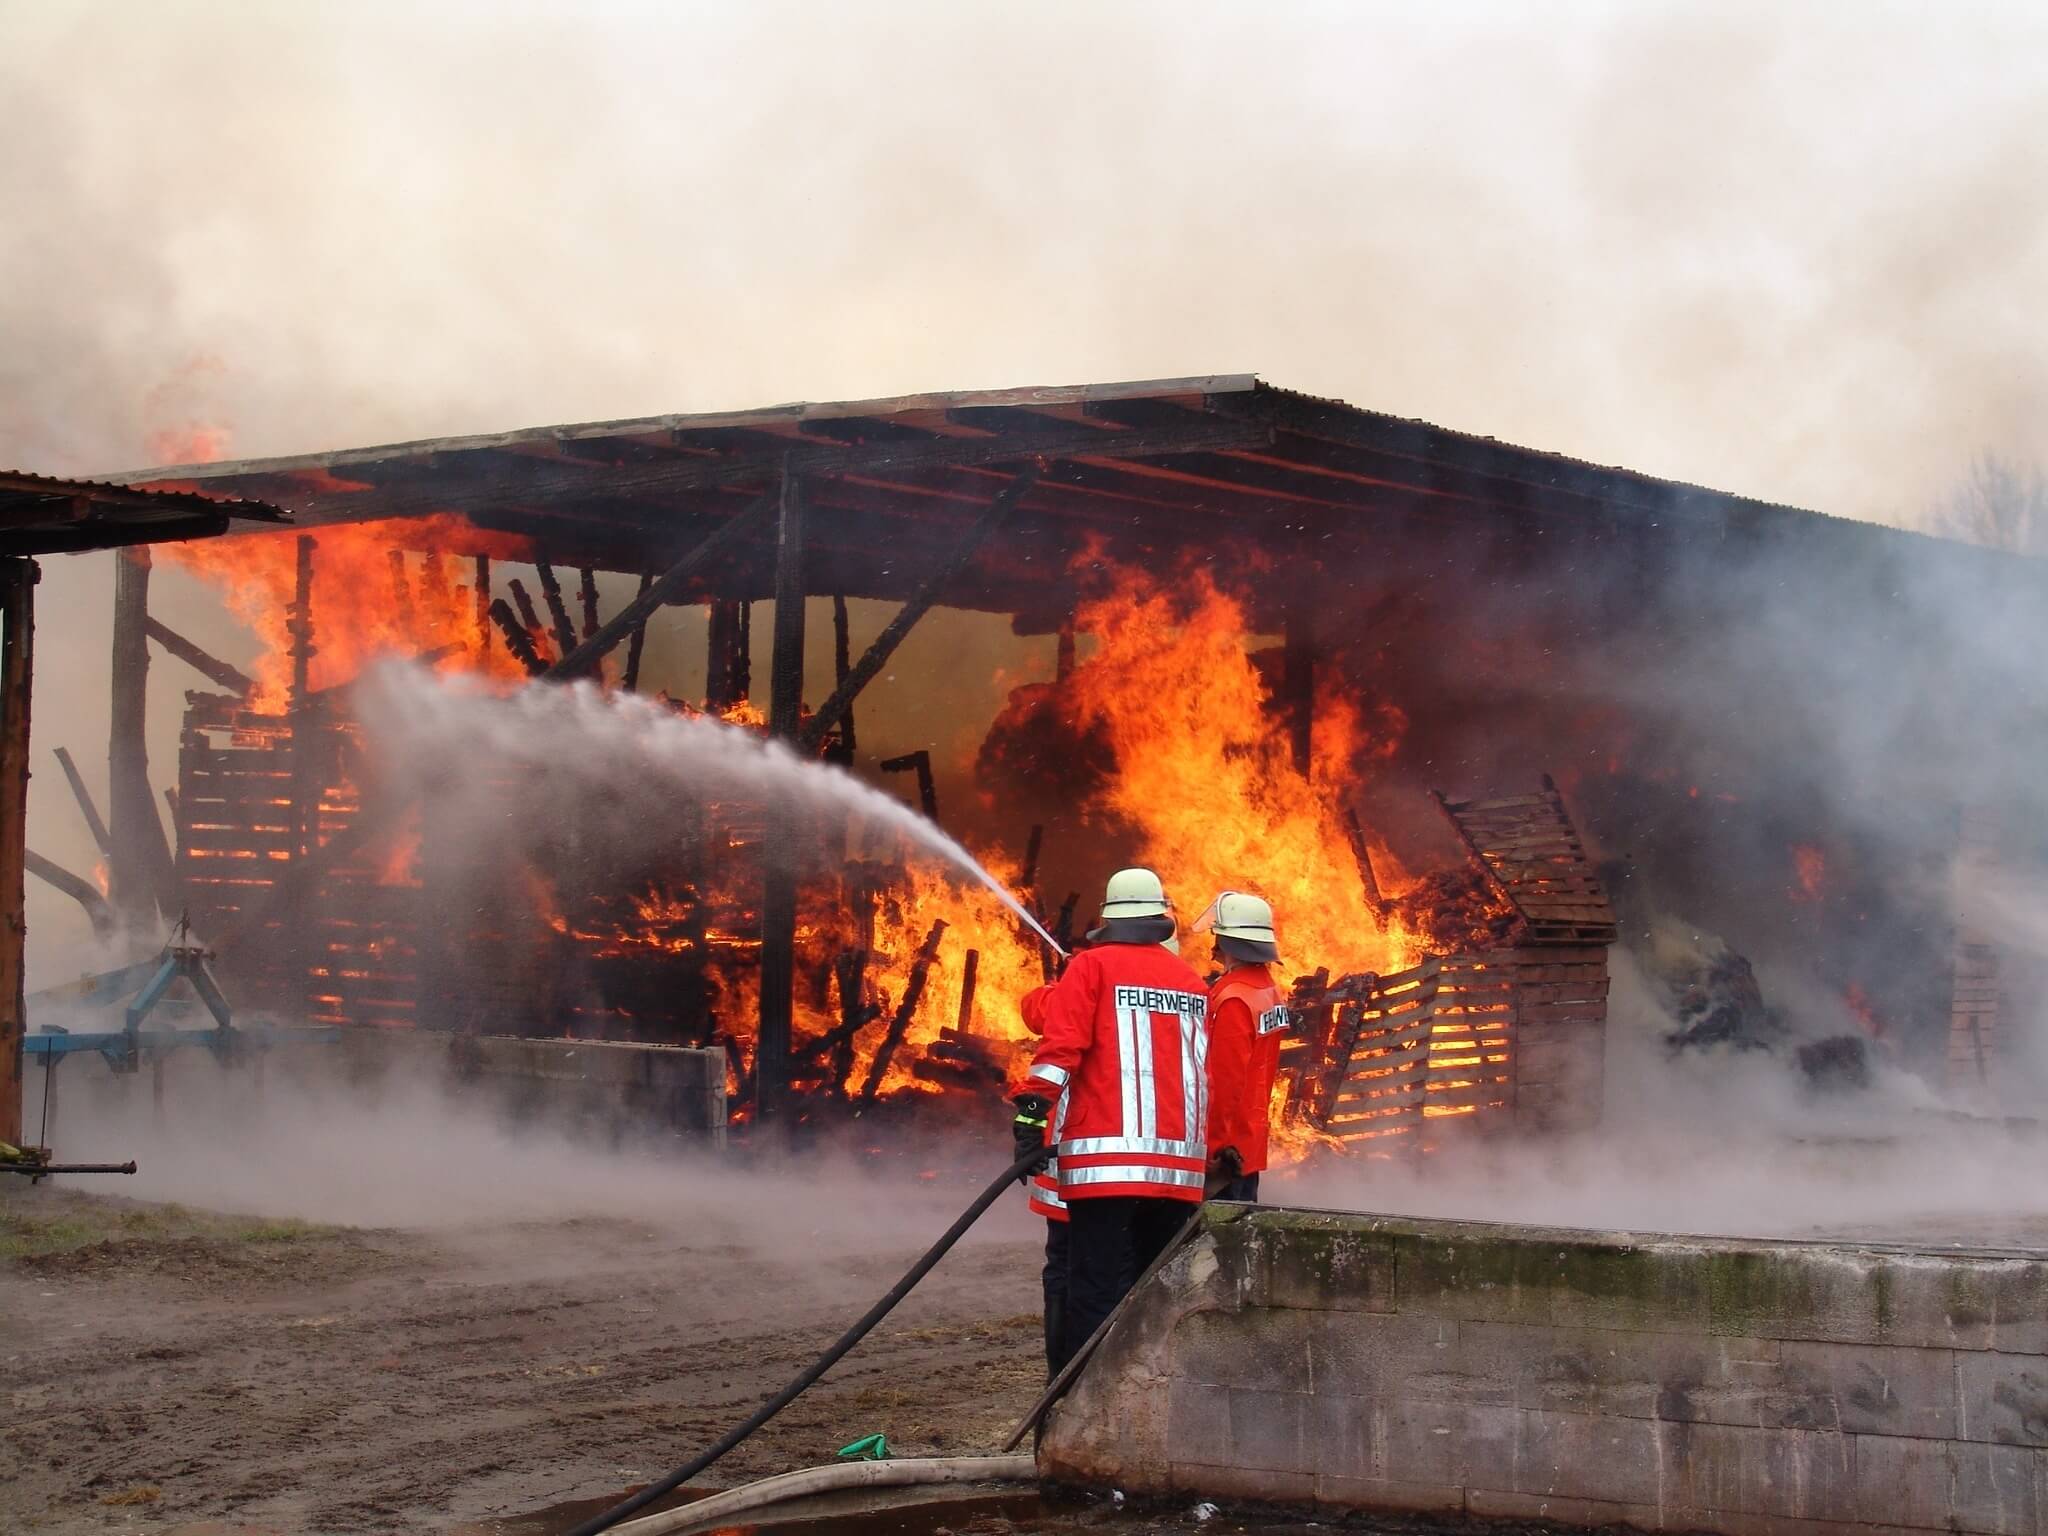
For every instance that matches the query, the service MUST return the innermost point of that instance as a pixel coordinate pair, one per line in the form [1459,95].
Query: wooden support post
[17,654]
[587,591]
[842,663]
[86,808]
[1361,855]
[785,829]
[1298,684]
[631,680]
[877,655]
[558,611]
[299,874]
[483,602]
[587,655]
[729,666]
[204,662]
[139,874]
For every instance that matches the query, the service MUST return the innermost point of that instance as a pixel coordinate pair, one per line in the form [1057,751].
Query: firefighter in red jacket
[1247,1015]
[1119,1080]
[1046,1201]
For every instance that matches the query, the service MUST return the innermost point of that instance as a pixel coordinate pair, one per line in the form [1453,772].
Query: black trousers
[1112,1239]
[1054,1280]
[1244,1187]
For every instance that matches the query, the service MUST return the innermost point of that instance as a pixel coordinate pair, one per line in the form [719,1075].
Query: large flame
[361,610]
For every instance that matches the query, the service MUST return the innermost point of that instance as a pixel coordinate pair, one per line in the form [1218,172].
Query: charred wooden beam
[528,616]
[204,662]
[1028,880]
[558,611]
[920,763]
[631,680]
[517,639]
[587,592]
[728,674]
[877,655]
[1063,930]
[1362,856]
[779,850]
[634,614]
[82,891]
[1063,657]
[86,808]
[301,879]
[434,583]
[17,646]
[483,601]
[899,1024]
[964,1021]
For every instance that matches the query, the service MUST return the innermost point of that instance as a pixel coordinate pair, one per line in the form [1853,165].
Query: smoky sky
[1796,252]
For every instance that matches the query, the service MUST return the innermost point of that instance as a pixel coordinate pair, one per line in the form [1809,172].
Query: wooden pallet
[1528,848]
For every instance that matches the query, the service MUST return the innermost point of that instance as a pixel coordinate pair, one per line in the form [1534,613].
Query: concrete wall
[603,1091]
[1347,1362]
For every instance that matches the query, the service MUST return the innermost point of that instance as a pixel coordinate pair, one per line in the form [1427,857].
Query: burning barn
[1471,715]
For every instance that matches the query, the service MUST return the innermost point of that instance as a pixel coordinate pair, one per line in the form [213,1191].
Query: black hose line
[818,1367]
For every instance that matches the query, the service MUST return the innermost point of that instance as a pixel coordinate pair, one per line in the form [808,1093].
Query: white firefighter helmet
[1244,918]
[1134,893]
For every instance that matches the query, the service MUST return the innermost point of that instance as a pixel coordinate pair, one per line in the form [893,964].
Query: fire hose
[668,1483]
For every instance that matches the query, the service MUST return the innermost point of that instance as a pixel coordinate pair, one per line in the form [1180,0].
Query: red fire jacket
[1246,1017]
[1045,1189]
[1126,1034]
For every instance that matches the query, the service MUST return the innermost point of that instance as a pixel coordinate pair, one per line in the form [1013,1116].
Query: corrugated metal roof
[52,514]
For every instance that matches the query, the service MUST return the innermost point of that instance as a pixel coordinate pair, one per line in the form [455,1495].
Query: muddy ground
[166,1370]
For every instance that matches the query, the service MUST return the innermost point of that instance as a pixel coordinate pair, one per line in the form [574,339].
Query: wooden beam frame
[636,613]
[785,829]
[884,646]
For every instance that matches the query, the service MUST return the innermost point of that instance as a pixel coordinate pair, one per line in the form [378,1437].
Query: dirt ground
[172,1371]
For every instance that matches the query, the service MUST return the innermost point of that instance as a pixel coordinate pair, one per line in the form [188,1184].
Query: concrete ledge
[1356,1363]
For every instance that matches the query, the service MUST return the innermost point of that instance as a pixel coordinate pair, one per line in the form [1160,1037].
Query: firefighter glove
[1029,1127]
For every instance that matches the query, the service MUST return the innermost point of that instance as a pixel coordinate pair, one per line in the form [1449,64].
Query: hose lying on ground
[818,1367]
[911,1472]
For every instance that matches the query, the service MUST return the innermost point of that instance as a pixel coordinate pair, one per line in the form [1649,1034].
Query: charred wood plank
[204,662]
[899,1025]
[635,613]
[83,796]
[558,611]
[779,851]
[964,1021]
[587,591]
[842,663]
[82,891]
[877,655]
[1362,856]
[483,602]
[139,865]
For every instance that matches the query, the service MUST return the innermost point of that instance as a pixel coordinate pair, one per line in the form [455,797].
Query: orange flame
[1809,873]
[357,612]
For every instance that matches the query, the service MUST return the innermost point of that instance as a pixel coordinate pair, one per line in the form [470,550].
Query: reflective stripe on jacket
[1045,1190]
[1125,1040]
[1247,1015]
